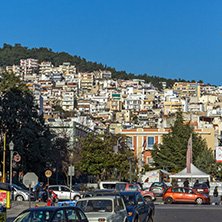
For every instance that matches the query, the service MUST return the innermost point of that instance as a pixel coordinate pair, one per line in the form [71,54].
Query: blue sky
[167,38]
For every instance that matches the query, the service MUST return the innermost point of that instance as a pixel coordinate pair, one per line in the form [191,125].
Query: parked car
[63,192]
[20,194]
[137,208]
[131,199]
[147,195]
[104,208]
[108,185]
[158,188]
[201,188]
[183,194]
[50,214]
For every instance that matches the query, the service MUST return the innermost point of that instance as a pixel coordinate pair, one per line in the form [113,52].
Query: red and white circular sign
[17,158]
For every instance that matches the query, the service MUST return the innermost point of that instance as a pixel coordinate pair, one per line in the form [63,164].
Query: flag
[144,143]
[189,154]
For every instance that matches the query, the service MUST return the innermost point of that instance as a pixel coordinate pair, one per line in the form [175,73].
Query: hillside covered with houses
[100,102]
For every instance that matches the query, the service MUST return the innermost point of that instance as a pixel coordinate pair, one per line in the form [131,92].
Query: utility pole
[3,173]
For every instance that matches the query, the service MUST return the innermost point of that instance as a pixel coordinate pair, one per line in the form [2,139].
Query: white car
[63,192]
[103,208]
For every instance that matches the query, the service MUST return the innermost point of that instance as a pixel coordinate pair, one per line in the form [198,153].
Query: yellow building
[172,107]
[142,140]
[186,89]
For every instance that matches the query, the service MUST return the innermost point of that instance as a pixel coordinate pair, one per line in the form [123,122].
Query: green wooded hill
[10,55]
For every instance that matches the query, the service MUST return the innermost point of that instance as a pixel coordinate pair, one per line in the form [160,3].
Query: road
[187,213]
[164,213]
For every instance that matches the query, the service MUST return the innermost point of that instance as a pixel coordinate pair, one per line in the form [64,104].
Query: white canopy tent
[195,174]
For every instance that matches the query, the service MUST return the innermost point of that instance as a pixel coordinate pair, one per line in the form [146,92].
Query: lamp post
[130,160]
[11,148]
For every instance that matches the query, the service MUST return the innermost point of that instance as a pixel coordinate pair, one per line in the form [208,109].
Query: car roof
[49,208]
[129,192]
[99,198]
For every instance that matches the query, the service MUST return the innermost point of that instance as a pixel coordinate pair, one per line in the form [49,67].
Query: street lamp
[130,160]
[11,148]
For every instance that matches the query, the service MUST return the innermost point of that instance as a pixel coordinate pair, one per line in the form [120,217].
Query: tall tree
[171,153]
[99,158]
[20,120]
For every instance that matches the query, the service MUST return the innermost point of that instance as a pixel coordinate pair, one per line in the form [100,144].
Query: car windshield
[33,216]
[17,187]
[95,206]
[157,185]
[129,200]
[201,185]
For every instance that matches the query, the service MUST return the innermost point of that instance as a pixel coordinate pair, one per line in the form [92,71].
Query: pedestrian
[208,183]
[216,198]
[197,181]
[36,191]
[186,183]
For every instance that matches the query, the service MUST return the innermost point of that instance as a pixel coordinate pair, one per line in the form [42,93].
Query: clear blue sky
[168,38]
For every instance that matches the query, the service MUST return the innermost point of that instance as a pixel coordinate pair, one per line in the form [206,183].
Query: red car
[184,194]
[147,195]
[201,188]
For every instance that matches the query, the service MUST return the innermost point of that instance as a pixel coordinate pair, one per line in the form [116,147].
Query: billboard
[219,153]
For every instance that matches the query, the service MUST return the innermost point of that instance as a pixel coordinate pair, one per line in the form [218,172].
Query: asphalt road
[187,213]
[164,213]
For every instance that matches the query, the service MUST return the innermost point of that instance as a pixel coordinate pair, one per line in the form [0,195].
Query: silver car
[103,208]
[20,194]
[63,192]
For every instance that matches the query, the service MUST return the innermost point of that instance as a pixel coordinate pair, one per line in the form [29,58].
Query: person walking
[37,190]
[197,181]
[216,197]
[186,183]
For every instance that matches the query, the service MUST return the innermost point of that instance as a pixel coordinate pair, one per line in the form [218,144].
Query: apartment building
[68,100]
[86,80]
[134,102]
[184,89]
[45,67]
[28,65]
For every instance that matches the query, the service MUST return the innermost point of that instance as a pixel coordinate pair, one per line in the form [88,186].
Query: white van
[108,185]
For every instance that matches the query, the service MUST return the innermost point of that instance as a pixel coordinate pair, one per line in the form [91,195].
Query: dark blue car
[137,208]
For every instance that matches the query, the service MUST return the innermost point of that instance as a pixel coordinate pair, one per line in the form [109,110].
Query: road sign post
[71,173]
[30,179]
[48,174]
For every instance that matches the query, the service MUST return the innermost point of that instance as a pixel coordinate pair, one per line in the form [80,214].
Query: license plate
[198,190]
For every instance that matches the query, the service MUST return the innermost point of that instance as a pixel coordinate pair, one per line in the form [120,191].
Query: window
[133,187]
[65,189]
[72,215]
[59,216]
[55,188]
[150,142]
[129,142]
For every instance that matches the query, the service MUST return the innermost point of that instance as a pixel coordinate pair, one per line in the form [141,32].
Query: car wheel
[168,200]
[19,198]
[199,201]
[77,197]
[147,198]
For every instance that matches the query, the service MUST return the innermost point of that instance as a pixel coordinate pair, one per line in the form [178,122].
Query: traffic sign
[48,173]
[30,179]
[17,158]
[71,171]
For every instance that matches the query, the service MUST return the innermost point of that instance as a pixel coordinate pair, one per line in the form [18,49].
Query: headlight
[130,214]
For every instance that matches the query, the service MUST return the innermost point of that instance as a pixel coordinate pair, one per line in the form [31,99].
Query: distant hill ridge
[10,55]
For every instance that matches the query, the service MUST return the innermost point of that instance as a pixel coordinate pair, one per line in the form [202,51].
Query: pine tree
[171,154]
